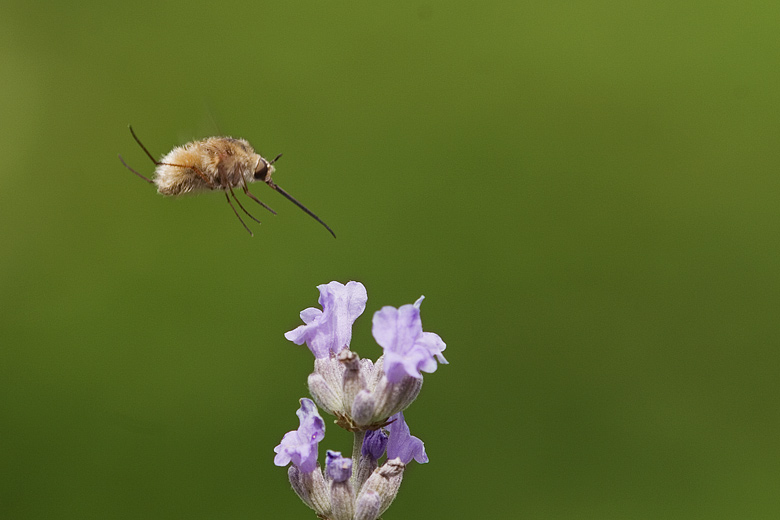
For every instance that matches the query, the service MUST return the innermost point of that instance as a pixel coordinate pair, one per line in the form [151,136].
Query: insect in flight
[215,163]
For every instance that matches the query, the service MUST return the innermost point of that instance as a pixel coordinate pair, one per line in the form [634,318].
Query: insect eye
[262,171]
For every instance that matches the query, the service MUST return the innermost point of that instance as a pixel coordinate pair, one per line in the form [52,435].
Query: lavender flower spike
[330,329]
[408,350]
[300,446]
[402,444]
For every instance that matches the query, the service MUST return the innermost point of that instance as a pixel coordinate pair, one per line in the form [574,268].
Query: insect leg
[157,163]
[238,216]
[141,145]
[252,196]
[225,182]
[241,205]
[150,181]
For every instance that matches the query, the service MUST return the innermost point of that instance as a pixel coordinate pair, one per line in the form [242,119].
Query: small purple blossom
[330,329]
[408,350]
[374,444]
[300,446]
[402,444]
[337,467]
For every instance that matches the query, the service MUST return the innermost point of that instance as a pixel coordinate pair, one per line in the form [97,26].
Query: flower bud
[363,408]
[376,373]
[331,370]
[374,444]
[312,489]
[367,506]
[367,368]
[323,394]
[373,448]
[342,496]
[395,397]
[365,469]
[338,468]
[384,483]
[353,380]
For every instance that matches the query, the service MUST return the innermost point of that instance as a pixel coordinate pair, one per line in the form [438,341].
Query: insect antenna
[289,197]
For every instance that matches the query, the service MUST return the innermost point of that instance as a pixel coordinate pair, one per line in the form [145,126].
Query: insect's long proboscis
[289,197]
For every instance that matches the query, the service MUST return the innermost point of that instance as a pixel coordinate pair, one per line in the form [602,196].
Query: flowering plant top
[367,398]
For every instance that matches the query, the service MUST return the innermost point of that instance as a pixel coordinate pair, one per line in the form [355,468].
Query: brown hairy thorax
[215,163]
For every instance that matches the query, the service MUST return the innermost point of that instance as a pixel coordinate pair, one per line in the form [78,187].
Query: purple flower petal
[300,446]
[337,467]
[330,329]
[408,350]
[402,444]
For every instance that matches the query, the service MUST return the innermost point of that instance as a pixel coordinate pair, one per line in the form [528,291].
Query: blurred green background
[586,193]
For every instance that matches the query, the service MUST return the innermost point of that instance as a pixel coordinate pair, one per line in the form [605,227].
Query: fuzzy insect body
[215,163]
[222,161]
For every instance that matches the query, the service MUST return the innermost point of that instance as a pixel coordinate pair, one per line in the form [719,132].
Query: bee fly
[215,163]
